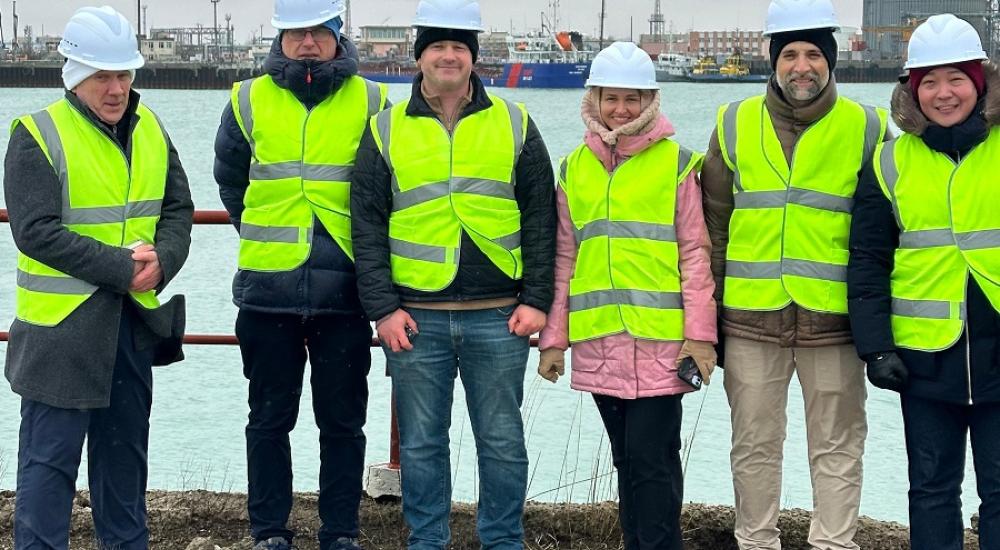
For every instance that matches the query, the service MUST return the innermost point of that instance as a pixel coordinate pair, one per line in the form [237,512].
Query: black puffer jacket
[325,283]
[973,363]
[477,278]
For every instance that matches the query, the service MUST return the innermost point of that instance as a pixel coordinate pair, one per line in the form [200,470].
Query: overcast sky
[582,15]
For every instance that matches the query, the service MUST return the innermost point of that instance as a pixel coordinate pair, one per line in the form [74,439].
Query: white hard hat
[101,38]
[941,40]
[449,14]
[300,14]
[800,15]
[623,65]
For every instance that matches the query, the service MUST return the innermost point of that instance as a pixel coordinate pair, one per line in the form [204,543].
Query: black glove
[887,371]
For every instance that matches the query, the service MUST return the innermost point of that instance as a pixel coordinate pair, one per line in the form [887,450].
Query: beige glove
[703,354]
[552,364]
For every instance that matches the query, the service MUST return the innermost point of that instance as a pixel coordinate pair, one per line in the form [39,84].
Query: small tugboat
[733,70]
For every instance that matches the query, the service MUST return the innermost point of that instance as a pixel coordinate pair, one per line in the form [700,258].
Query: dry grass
[202,520]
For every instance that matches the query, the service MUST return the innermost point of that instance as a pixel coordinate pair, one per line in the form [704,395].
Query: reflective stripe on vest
[104,197]
[946,233]
[444,184]
[789,230]
[626,277]
[301,166]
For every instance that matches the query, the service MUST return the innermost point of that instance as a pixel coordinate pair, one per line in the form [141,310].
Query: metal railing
[221,217]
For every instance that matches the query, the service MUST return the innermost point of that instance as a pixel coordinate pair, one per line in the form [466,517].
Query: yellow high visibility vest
[301,166]
[789,230]
[444,184]
[949,229]
[105,196]
[627,276]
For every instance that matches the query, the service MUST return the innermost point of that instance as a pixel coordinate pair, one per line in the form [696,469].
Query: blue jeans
[491,361]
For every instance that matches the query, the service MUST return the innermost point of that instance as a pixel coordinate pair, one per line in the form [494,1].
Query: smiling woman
[924,276]
[948,94]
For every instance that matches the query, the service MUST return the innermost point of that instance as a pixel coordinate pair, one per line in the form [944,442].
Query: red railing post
[393,433]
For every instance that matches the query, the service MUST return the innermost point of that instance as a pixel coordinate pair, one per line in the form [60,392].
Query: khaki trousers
[756,379]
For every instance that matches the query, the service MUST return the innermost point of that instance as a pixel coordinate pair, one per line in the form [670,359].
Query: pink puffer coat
[620,365]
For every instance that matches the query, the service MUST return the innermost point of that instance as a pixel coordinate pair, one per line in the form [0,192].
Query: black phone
[688,371]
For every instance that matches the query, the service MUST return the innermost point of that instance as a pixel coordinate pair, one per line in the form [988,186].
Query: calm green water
[199,408]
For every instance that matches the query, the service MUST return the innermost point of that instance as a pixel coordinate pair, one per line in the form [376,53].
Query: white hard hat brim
[793,28]
[135,63]
[622,85]
[947,61]
[456,27]
[300,24]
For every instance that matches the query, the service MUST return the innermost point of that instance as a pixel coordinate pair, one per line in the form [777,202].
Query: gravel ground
[202,520]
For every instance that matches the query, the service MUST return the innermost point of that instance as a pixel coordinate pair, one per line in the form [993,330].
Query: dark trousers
[275,348]
[935,446]
[645,439]
[48,458]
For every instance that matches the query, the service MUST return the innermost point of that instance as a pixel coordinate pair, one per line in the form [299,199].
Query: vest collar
[418,105]
[780,107]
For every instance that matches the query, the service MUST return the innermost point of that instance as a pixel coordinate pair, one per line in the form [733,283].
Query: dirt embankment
[202,520]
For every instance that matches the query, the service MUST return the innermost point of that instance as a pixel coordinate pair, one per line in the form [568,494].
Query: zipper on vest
[302,189]
[451,170]
[788,189]
[607,216]
[965,289]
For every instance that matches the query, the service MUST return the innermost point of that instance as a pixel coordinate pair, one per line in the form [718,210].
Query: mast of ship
[13,44]
[347,19]
[2,44]
[656,21]
[600,39]
[215,25]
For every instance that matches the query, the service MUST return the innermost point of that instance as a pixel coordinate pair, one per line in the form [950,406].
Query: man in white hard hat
[284,154]
[455,264]
[778,209]
[101,215]
[924,278]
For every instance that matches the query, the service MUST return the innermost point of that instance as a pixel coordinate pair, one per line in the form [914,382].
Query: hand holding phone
[688,371]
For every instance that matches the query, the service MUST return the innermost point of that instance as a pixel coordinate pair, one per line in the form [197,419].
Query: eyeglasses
[319,34]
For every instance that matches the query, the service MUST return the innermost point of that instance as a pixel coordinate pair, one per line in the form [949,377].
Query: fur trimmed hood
[906,111]
[614,146]
[590,111]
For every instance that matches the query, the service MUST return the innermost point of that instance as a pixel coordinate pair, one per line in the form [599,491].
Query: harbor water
[199,405]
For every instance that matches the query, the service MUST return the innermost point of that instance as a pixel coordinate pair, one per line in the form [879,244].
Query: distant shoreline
[204,520]
[199,76]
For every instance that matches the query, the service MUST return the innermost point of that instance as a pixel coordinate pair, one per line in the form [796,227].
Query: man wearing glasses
[284,157]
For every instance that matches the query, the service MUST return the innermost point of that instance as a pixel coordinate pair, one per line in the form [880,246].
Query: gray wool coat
[70,365]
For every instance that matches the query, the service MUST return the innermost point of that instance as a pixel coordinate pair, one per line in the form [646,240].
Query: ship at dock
[673,67]
[533,60]
[545,61]
[734,69]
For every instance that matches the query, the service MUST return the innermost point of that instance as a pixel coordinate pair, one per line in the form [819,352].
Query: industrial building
[887,24]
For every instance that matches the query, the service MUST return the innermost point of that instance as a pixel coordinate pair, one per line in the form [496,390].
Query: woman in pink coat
[633,286]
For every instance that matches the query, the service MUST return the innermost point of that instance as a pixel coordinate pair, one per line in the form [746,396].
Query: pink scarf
[615,146]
